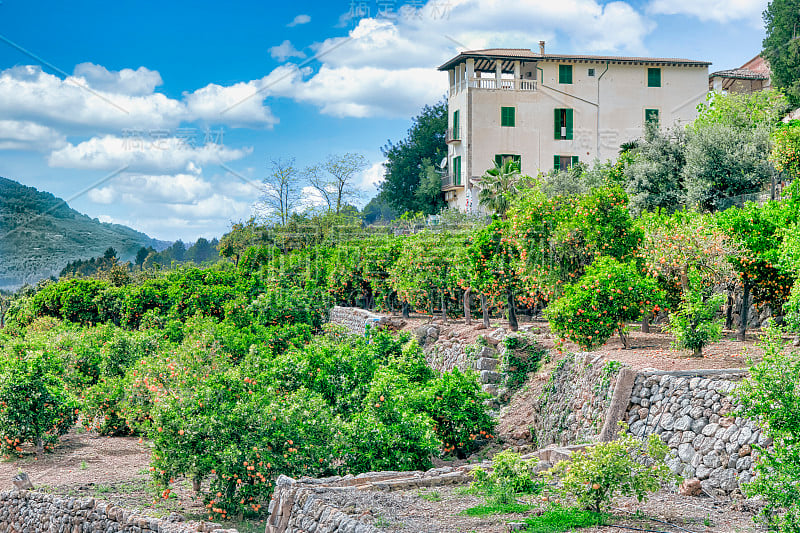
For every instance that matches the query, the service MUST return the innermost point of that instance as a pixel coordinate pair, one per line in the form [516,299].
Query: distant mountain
[40,234]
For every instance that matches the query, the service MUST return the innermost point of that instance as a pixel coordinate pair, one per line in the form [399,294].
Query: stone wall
[355,320]
[695,415]
[314,505]
[574,400]
[36,512]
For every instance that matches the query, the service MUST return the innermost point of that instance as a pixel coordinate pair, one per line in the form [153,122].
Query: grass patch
[432,496]
[557,519]
[497,508]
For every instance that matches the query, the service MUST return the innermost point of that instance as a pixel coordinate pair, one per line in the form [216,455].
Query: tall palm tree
[498,186]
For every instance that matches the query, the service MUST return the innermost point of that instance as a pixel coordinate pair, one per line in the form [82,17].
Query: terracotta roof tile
[524,53]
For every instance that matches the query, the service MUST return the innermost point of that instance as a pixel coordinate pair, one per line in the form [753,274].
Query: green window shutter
[557,123]
[574,160]
[651,116]
[455,125]
[565,74]
[557,162]
[518,161]
[457,170]
[569,124]
[654,77]
[498,160]
[508,116]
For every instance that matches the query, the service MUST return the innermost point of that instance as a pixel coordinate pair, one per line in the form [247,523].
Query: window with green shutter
[456,125]
[508,116]
[501,159]
[564,162]
[565,74]
[654,77]
[457,170]
[651,116]
[563,124]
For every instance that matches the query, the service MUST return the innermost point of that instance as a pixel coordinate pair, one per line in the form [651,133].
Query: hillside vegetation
[40,234]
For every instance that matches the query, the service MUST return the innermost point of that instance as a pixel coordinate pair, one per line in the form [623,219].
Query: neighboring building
[751,77]
[552,110]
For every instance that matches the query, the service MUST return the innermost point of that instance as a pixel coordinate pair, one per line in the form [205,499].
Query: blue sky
[167,113]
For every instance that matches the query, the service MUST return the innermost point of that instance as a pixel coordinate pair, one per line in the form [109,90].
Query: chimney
[541,47]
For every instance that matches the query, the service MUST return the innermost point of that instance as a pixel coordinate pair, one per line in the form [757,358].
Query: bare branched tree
[280,194]
[335,178]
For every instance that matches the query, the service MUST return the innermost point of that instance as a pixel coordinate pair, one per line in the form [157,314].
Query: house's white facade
[546,109]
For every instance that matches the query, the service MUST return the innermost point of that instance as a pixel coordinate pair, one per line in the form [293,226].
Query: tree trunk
[444,308]
[729,310]
[467,314]
[196,484]
[745,310]
[405,310]
[485,311]
[623,337]
[512,312]
[645,323]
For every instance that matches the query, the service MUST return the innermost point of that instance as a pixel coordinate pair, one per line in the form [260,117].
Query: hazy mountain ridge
[40,234]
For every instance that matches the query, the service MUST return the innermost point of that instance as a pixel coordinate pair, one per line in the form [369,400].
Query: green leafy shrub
[34,406]
[557,518]
[772,395]
[602,302]
[626,466]
[510,475]
[695,323]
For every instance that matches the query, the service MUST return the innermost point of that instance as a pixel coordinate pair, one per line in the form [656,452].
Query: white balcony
[506,84]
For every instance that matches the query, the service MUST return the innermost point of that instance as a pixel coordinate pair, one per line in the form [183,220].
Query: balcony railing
[452,136]
[505,84]
[449,181]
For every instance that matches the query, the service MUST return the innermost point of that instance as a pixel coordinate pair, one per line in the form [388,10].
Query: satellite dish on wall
[443,164]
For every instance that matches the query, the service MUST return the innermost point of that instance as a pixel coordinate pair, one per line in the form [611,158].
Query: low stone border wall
[36,512]
[299,506]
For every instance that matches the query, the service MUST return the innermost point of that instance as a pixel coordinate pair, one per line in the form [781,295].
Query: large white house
[551,110]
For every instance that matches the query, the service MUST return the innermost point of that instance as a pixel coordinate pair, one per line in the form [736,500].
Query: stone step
[486,363]
[489,376]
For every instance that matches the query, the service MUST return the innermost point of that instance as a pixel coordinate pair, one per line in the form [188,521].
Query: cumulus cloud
[139,82]
[169,154]
[373,175]
[25,135]
[387,67]
[722,11]
[285,50]
[299,20]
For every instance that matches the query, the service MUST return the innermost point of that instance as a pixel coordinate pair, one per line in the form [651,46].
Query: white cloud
[388,67]
[299,20]
[139,82]
[285,50]
[25,135]
[153,189]
[165,155]
[722,11]
[374,175]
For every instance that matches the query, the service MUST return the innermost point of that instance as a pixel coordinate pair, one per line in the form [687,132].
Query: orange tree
[494,266]
[558,238]
[689,255]
[785,153]
[608,296]
[425,273]
[759,231]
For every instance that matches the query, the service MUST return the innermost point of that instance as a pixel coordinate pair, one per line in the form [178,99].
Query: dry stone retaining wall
[306,505]
[36,512]
[695,415]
